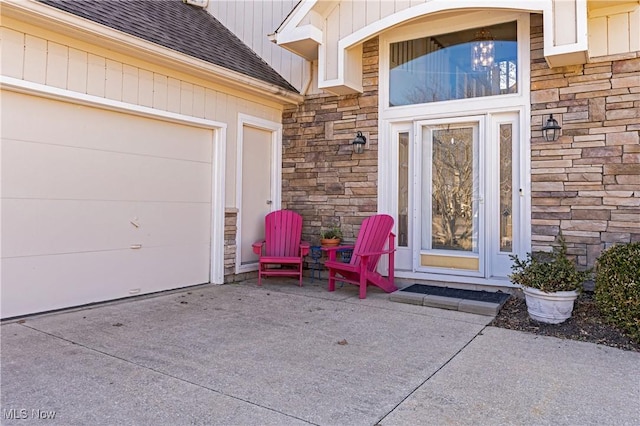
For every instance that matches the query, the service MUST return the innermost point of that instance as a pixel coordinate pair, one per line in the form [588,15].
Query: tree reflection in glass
[439,67]
[452,189]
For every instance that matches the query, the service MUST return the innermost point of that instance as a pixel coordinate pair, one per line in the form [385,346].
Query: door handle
[269,202]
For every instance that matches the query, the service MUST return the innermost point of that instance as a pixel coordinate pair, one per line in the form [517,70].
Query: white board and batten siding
[614,30]
[252,22]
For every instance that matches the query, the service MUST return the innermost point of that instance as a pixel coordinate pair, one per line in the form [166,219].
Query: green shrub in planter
[618,287]
[548,272]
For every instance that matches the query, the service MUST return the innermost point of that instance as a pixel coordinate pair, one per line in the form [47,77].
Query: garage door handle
[269,202]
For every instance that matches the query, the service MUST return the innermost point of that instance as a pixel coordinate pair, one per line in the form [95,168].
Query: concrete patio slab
[310,358]
[280,354]
[514,378]
[44,376]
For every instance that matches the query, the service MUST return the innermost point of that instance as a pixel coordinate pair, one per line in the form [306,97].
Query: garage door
[99,205]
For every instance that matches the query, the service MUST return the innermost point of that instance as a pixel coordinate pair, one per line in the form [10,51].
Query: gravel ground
[586,324]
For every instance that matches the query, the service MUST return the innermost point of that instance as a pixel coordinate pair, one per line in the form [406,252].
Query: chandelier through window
[482,51]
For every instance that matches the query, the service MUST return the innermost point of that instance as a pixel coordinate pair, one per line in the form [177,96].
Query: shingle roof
[178,26]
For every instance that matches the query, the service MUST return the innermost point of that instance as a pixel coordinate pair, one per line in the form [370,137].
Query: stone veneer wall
[587,184]
[322,178]
[230,248]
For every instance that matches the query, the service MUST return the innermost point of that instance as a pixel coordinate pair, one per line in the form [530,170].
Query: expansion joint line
[479,333]
[165,374]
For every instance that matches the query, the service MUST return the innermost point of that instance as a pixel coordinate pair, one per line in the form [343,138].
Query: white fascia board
[304,32]
[296,16]
[302,41]
[56,20]
[340,87]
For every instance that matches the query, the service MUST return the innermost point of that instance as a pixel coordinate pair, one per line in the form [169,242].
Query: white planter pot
[552,308]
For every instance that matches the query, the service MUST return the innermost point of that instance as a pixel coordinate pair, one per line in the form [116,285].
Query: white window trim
[449,25]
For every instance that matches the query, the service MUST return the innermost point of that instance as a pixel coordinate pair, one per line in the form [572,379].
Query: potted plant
[550,281]
[331,236]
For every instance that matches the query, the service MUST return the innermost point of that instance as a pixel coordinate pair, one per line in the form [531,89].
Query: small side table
[315,252]
[345,254]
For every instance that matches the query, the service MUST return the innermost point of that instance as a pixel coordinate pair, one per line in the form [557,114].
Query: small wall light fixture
[358,143]
[551,129]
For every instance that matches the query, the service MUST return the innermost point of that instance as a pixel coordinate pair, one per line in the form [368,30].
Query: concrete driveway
[239,354]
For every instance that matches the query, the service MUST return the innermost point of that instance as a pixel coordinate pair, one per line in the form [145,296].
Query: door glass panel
[506,188]
[466,64]
[403,189]
[454,182]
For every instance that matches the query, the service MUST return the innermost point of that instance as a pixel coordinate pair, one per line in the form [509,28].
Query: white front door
[450,196]
[459,198]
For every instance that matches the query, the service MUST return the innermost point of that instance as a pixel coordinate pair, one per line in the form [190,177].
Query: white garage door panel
[48,122]
[53,282]
[35,170]
[40,227]
[74,178]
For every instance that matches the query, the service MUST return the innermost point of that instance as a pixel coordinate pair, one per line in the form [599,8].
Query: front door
[465,195]
[450,197]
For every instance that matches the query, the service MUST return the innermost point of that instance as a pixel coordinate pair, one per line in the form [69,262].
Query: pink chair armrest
[305,246]
[335,248]
[257,246]
[376,253]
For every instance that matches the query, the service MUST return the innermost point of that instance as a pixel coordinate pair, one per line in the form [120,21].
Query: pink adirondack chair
[374,233]
[281,246]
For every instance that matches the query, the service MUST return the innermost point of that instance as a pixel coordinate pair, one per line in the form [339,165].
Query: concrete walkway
[283,355]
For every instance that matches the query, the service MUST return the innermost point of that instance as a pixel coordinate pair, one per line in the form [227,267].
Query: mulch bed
[586,324]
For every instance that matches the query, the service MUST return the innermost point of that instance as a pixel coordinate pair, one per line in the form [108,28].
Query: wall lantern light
[551,129]
[358,143]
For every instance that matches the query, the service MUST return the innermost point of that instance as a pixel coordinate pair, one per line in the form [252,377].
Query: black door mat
[480,296]
[471,301]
